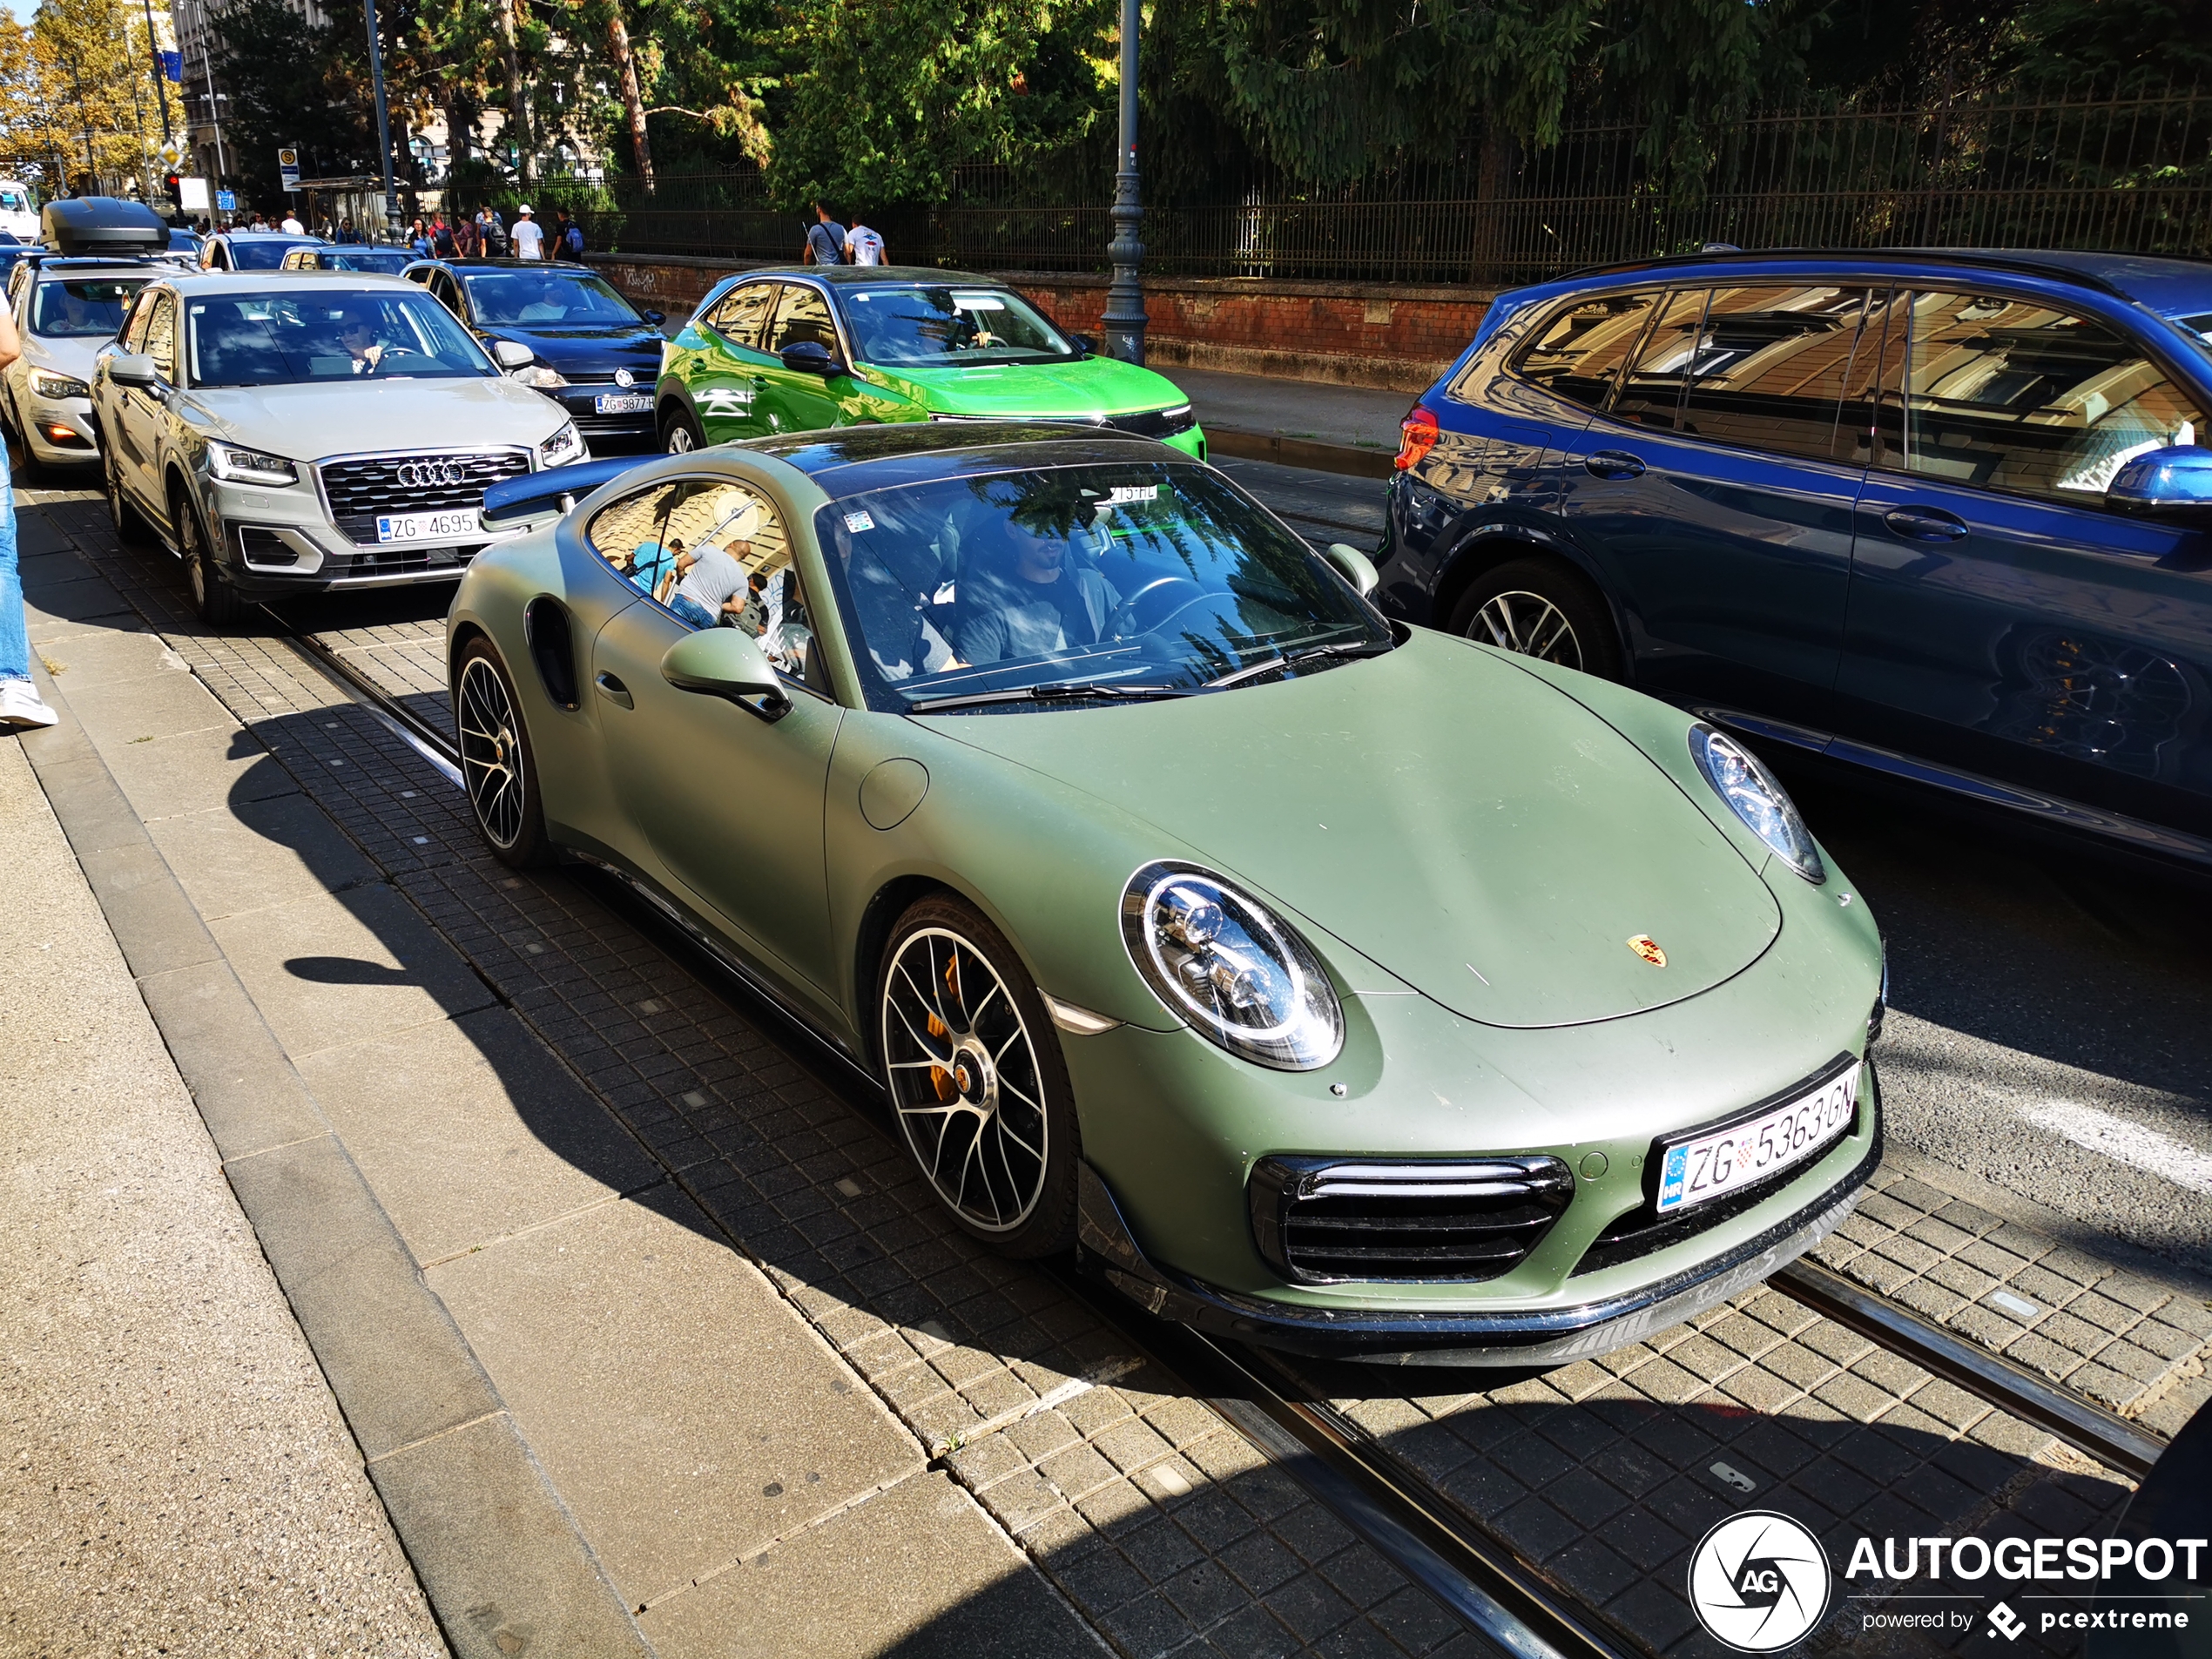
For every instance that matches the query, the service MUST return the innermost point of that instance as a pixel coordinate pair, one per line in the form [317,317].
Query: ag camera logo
[1759,1582]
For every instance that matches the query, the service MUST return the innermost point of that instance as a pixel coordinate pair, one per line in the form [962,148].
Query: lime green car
[1324,982]
[795,350]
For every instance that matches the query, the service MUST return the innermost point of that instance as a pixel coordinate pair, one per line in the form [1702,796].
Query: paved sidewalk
[178,1478]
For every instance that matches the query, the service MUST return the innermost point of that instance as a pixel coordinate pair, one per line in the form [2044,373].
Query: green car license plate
[1710,1163]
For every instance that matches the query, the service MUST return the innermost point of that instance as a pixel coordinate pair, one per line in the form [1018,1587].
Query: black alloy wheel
[497,766]
[1544,608]
[213,596]
[977,1079]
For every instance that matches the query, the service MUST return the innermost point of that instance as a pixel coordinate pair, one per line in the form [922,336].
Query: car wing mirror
[656,317]
[1353,566]
[133,368]
[1084,344]
[726,663]
[512,354]
[2174,484]
[812,357]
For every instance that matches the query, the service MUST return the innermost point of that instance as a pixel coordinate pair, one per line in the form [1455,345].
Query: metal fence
[2131,173]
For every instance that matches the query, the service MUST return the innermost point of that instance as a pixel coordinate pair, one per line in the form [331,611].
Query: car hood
[74,357]
[1089,387]
[589,349]
[344,417]
[1478,833]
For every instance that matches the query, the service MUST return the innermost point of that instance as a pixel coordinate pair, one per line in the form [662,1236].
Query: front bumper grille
[356,489]
[1324,1220]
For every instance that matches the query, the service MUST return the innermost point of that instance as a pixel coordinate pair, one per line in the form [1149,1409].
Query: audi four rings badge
[430,475]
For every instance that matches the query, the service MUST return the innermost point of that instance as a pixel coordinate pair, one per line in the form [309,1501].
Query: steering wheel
[389,352]
[1125,615]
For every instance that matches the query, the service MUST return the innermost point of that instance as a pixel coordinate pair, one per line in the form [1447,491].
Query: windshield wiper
[1053,691]
[1345,649]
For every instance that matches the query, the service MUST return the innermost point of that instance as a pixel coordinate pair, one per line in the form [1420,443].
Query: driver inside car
[1042,602]
[357,332]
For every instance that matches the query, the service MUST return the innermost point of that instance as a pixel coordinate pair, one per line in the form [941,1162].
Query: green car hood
[1092,386]
[1462,824]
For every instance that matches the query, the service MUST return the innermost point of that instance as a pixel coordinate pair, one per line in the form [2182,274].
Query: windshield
[1142,577]
[89,309]
[914,325]
[283,339]
[543,298]
[13,200]
[386,261]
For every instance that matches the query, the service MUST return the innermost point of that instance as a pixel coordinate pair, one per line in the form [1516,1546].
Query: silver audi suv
[288,434]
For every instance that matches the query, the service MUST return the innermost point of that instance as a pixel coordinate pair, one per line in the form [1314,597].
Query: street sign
[192,195]
[288,164]
[226,201]
[171,153]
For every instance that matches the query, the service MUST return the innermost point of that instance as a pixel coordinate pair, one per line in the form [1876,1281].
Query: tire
[213,598]
[498,767]
[679,432]
[131,527]
[32,473]
[993,1128]
[1544,608]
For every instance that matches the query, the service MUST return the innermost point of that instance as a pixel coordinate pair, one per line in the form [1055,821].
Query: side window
[1578,351]
[627,533]
[161,337]
[1767,373]
[803,315]
[442,289]
[741,315]
[1870,425]
[1650,393]
[133,336]
[2015,395]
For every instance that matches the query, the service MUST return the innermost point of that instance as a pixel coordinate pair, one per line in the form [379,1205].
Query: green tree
[291,85]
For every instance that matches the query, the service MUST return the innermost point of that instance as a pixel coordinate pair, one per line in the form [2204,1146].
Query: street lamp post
[383,123]
[1124,319]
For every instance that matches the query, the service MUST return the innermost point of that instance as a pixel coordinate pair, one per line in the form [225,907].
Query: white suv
[310,431]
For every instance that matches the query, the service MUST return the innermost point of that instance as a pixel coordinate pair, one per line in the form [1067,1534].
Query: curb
[498,1557]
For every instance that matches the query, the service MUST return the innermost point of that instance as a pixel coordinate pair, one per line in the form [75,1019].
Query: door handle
[613,690]
[1613,464]
[1924,523]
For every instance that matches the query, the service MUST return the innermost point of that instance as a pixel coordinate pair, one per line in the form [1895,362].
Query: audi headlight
[236,465]
[1753,795]
[541,375]
[47,384]
[1241,976]
[563,446]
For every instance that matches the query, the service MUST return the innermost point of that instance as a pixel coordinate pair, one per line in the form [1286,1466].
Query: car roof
[258,282]
[269,236]
[80,263]
[845,276]
[2165,284]
[847,461]
[487,263]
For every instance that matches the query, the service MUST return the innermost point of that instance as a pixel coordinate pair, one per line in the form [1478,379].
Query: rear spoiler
[535,495]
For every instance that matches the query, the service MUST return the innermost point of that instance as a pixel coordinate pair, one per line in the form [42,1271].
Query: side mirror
[729,663]
[1354,567]
[511,355]
[812,357]
[132,368]
[656,317]
[2174,484]
[1084,344]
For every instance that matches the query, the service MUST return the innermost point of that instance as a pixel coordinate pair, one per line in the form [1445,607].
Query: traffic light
[173,182]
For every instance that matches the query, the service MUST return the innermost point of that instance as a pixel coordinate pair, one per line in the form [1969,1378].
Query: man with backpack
[825,240]
[568,236]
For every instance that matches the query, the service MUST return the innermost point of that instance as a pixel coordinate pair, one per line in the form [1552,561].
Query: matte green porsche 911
[829,346]
[1359,989]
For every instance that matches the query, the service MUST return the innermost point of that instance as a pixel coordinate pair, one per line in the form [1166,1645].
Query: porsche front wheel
[977,1079]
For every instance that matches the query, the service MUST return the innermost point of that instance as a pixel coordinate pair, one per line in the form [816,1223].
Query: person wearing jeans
[20,703]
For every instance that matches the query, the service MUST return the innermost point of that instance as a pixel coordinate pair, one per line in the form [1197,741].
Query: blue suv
[1946,514]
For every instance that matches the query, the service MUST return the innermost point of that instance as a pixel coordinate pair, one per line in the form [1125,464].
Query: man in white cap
[530,240]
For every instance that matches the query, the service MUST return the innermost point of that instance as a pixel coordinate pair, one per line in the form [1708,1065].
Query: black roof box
[102,224]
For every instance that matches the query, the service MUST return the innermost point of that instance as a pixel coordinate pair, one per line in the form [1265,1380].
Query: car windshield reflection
[930,325]
[1079,584]
[285,339]
[548,299]
[86,310]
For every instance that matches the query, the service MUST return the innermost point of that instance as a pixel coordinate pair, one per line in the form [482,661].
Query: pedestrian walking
[528,239]
[863,245]
[418,238]
[292,227]
[441,236]
[20,703]
[496,243]
[825,240]
[465,238]
[569,238]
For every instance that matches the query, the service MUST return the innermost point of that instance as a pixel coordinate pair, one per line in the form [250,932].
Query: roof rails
[2018,264]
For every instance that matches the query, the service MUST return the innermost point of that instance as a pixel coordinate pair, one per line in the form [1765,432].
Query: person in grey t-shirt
[711,583]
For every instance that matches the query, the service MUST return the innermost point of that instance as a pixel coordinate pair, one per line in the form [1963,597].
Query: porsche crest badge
[1648,948]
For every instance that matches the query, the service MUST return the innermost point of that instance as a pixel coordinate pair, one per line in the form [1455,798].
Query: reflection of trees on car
[2090,699]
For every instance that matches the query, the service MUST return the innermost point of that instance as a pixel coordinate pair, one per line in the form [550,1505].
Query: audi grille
[356,489]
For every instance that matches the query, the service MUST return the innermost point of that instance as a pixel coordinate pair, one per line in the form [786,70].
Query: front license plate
[623,403]
[1711,1163]
[427,527]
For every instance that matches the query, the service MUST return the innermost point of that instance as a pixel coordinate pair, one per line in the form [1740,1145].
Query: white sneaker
[20,704]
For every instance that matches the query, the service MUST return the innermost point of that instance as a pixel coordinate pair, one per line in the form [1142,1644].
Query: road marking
[2126,1142]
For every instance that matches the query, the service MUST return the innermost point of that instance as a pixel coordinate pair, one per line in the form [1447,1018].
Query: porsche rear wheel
[977,1079]
[497,766]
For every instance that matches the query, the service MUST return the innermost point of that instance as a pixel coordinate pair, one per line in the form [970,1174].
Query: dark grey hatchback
[1944,514]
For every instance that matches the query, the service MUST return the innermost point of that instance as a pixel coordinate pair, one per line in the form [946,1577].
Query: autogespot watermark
[1760,1582]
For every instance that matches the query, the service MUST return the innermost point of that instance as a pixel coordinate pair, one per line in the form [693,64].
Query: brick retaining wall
[1395,336]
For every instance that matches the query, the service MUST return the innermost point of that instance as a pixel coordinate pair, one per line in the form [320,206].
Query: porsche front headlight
[1754,796]
[1241,976]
